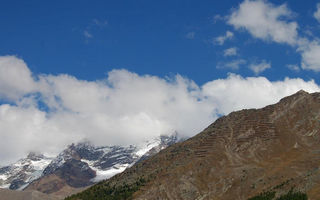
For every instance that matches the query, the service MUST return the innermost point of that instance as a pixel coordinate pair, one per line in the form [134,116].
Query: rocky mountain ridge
[241,155]
[78,166]
[19,174]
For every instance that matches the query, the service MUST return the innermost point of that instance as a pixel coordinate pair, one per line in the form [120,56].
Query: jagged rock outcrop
[83,164]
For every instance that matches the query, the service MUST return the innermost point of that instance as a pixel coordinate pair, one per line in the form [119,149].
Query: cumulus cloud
[221,39]
[124,108]
[269,22]
[15,78]
[233,65]
[257,68]
[265,21]
[236,92]
[230,51]
[317,13]
[310,55]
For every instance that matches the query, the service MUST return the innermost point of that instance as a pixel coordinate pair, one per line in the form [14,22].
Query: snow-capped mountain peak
[81,164]
[19,174]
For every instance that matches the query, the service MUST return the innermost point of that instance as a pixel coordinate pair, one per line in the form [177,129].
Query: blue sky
[123,72]
[87,39]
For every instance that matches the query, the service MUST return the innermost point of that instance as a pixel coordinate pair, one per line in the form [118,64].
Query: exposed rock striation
[237,157]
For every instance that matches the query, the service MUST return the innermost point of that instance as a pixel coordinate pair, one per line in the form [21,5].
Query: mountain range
[270,153]
[78,166]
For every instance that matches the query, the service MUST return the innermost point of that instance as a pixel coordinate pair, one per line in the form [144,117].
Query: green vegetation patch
[291,195]
[103,191]
[264,196]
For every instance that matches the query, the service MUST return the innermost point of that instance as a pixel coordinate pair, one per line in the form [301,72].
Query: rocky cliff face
[18,175]
[275,148]
[83,164]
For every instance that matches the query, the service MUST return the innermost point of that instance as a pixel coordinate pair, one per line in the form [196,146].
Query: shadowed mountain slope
[240,155]
[82,165]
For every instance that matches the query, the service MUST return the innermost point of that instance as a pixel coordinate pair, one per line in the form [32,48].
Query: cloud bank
[47,112]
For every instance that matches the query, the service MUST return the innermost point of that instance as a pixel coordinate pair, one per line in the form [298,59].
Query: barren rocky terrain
[276,148]
[6,194]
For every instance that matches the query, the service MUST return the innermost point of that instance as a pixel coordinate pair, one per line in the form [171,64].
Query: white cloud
[295,68]
[190,35]
[265,21]
[236,92]
[221,39]
[92,27]
[234,64]
[230,51]
[269,22]
[317,13]
[257,68]
[217,18]
[15,78]
[124,108]
[310,52]
[87,34]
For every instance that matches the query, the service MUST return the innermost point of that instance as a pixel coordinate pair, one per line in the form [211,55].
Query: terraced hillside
[239,156]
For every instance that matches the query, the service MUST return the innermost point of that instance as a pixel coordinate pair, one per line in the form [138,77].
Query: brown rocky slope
[237,157]
[6,194]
